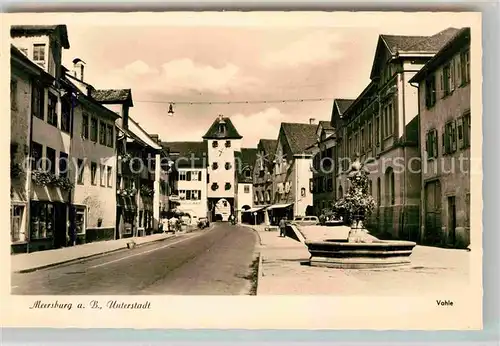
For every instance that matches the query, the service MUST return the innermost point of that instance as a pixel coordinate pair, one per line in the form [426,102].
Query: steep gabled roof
[187,150]
[458,41]
[434,43]
[398,44]
[343,104]
[113,96]
[268,145]
[326,125]
[32,30]
[338,109]
[299,136]
[245,160]
[230,132]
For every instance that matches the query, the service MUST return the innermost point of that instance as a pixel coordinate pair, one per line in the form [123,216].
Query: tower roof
[230,132]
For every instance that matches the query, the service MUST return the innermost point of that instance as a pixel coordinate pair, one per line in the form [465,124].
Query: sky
[201,63]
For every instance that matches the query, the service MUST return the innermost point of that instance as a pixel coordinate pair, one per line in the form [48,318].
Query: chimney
[312,121]
[78,68]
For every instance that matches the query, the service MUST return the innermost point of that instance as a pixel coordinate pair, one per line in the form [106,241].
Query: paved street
[206,262]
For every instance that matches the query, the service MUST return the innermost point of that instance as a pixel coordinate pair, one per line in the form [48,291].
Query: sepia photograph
[244,158]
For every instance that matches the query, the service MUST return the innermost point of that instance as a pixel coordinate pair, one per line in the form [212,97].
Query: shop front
[126,217]
[48,226]
[277,211]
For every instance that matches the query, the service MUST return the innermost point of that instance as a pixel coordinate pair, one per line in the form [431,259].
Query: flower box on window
[63,183]
[42,177]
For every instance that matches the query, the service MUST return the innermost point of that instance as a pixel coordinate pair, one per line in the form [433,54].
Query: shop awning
[279,206]
[251,210]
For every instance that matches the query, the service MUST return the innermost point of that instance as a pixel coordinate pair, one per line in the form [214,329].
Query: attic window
[222,128]
[39,54]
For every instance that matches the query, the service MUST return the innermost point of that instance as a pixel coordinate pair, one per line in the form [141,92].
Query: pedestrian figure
[282,227]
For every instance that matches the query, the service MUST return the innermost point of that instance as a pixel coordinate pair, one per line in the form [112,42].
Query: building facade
[445,137]
[322,184]
[244,162]
[263,180]
[292,172]
[190,176]
[23,74]
[49,187]
[380,128]
[93,153]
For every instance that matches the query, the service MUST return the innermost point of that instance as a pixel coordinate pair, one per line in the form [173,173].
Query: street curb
[30,270]
[259,273]
[258,234]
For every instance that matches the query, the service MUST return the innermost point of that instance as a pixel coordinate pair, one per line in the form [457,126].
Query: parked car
[305,220]
[203,222]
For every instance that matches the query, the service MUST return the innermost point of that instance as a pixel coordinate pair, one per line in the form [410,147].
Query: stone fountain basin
[347,255]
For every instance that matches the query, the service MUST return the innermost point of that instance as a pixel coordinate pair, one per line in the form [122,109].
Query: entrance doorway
[432,213]
[60,229]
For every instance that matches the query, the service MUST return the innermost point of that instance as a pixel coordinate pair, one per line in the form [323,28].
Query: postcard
[255,170]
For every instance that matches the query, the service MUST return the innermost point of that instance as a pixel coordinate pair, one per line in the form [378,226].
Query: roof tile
[299,136]
[112,95]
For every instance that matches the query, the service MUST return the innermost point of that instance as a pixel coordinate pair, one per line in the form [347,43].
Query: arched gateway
[221,208]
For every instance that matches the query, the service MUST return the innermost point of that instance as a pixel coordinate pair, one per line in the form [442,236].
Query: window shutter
[188,176]
[453,137]
[199,176]
[435,142]
[458,65]
[427,137]
[440,90]
[452,75]
[460,132]
[443,140]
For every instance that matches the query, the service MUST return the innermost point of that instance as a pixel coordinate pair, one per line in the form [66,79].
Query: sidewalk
[42,259]
[285,271]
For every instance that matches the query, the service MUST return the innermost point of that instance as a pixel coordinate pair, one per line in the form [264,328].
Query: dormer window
[222,128]
[39,54]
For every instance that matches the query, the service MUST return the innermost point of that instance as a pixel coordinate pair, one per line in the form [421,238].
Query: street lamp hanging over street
[171,110]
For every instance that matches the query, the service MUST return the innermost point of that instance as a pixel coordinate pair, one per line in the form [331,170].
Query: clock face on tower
[221,151]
